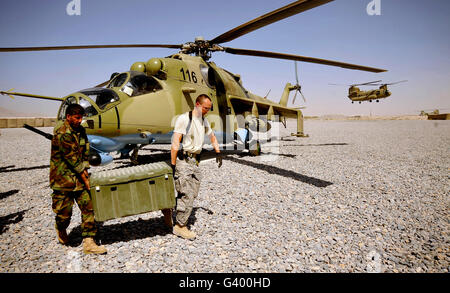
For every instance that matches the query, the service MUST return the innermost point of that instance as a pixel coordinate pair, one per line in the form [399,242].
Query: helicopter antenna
[265,97]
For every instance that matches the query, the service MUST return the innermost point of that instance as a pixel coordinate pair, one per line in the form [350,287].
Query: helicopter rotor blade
[377,84]
[339,84]
[367,83]
[300,58]
[22,49]
[296,72]
[304,99]
[396,82]
[268,18]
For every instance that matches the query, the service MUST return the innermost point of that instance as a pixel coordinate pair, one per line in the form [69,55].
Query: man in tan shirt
[190,129]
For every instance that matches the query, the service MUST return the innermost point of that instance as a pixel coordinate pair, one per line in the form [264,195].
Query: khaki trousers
[187,185]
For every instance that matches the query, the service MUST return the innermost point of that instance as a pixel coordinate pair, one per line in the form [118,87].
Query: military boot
[183,231]
[89,246]
[168,217]
[62,236]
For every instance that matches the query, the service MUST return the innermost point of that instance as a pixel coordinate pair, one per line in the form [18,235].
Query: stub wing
[242,105]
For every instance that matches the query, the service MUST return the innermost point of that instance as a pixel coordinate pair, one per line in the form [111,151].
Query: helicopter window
[101,96]
[89,110]
[63,108]
[143,84]
[118,80]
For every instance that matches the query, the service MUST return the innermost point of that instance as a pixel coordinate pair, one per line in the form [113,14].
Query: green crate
[132,191]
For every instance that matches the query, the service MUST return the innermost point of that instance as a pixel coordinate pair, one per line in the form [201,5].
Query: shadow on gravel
[7,169]
[8,193]
[137,229]
[211,154]
[165,156]
[123,232]
[10,219]
[192,218]
[321,144]
[285,173]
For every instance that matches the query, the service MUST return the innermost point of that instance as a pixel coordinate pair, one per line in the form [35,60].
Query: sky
[411,39]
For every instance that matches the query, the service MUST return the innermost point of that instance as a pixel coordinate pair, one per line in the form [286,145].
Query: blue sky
[411,38]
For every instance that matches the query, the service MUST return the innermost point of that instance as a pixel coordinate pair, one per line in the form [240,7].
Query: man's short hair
[201,98]
[74,109]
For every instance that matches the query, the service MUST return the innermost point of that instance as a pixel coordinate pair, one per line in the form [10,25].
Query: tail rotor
[297,87]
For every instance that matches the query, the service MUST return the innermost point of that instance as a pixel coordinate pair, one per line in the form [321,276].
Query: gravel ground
[355,196]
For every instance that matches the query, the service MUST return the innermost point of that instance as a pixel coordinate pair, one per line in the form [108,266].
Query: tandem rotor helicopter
[137,107]
[356,95]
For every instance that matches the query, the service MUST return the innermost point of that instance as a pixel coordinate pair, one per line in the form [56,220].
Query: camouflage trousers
[62,202]
[187,185]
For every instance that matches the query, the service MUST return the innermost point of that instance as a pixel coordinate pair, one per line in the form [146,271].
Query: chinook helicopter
[355,94]
[138,107]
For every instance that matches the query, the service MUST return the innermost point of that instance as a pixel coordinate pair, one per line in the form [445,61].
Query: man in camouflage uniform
[69,178]
[190,129]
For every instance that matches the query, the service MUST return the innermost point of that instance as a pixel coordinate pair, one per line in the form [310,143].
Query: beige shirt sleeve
[181,124]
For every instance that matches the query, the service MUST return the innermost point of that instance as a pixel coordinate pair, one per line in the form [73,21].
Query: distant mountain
[11,113]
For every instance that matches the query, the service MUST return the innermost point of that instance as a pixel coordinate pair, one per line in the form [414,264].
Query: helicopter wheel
[360,102]
[378,101]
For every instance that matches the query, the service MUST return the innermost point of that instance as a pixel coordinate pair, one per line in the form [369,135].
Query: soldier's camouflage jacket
[69,157]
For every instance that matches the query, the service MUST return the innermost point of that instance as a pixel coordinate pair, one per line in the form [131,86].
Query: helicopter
[355,94]
[138,107]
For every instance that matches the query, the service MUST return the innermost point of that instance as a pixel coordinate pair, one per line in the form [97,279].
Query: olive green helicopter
[138,107]
[357,95]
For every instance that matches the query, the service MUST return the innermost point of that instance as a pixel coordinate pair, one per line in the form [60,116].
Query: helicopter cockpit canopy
[135,83]
[100,96]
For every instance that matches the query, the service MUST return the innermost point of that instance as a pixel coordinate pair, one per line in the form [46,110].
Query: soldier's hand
[219,159]
[85,178]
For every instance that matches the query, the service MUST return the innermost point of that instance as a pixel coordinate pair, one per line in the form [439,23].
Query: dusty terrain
[355,196]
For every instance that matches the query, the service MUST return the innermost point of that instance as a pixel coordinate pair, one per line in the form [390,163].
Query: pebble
[355,196]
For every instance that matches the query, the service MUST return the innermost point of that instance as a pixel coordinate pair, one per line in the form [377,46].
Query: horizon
[410,39]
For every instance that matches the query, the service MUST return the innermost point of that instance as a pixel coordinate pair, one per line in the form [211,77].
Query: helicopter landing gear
[352,102]
[378,101]
[134,155]
[254,149]
[360,102]
[370,101]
